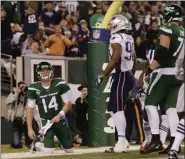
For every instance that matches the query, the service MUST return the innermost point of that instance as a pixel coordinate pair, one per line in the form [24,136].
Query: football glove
[99,80]
[179,74]
[140,92]
[45,128]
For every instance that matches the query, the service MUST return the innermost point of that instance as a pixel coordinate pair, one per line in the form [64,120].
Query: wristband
[62,113]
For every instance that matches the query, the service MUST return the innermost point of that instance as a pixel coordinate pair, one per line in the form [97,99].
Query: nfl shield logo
[38,92]
[96,34]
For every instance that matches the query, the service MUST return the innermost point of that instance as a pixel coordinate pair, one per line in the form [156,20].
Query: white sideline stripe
[61,153]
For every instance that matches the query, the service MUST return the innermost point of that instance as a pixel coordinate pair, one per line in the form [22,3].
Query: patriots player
[121,53]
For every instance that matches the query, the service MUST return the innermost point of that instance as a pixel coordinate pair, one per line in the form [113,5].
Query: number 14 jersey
[127,55]
[50,101]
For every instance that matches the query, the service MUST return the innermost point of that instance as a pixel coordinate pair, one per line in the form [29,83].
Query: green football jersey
[176,34]
[49,100]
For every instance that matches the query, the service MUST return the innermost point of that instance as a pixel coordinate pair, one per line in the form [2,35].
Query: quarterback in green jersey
[164,86]
[52,97]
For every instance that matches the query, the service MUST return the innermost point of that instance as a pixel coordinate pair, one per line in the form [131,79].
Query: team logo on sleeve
[38,92]
[96,34]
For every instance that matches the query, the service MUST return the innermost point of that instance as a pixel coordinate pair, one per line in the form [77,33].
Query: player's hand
[31,134]
[180,74]
[57,118]
[146,77]
[99,80]
[140,92]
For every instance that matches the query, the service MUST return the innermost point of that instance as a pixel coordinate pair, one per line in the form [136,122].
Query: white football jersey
[150,55]
[127,56]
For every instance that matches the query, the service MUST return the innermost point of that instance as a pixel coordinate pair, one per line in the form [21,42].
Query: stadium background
[72,65]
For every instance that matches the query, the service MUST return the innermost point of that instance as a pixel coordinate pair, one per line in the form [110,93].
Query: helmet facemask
[45,76]
[45,71]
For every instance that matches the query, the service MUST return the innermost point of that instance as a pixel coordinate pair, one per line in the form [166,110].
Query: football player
[180,133]
[164,87]
[52,97]
[121,53]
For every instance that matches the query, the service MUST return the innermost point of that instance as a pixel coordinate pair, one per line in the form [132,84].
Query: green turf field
[99,155]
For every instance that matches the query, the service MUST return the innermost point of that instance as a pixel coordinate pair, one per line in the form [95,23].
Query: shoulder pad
[33,87]
[166,30]
[116,38]
[59,81]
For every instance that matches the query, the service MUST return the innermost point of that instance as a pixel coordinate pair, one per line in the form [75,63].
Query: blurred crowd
[63,28]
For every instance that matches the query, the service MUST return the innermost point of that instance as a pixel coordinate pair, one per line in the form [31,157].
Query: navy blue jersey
[30,23]
[48,17]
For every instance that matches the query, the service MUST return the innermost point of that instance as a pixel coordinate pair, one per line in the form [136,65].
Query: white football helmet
[118,22]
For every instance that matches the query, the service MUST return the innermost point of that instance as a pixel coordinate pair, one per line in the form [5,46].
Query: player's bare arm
[141,83]
[29,118]
[135,62]
[114,60]
[67,106]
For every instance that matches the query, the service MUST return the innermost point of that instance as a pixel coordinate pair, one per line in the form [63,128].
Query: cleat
[172,154]
[32,147]
[153,147]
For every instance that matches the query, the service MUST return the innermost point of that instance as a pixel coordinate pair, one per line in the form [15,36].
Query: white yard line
[60,153]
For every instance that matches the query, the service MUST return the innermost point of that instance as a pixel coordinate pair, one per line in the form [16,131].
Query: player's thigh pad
[49,136]
[157,90]
[123,83]
[63,133]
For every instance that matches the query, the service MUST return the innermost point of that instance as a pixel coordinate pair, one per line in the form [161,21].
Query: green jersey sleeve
[32,92]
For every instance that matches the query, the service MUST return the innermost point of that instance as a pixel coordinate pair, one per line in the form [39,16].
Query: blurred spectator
[134,13]
[10,7]
[31,20]
[74,30]
[68,20]
[83,37]
[48,14]
[90,13]
[153,31]
[6,33]
[60,14]
[33,48]
[16,103]
[73,51]
[153,15]
[65,27]
[81,111]
[57,43]
[70,5]
[97,17]
[141,47]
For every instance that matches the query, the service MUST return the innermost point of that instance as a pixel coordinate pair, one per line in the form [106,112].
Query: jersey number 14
[52,104]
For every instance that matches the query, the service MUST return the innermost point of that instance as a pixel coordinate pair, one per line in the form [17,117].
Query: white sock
[41,147]
[153,118]
[173,120]
[179,135]
[147,131]
[120,123]
[164,128]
